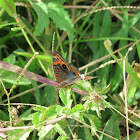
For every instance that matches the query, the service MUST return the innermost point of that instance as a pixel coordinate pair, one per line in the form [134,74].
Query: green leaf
[19,134]
[69,104]
[134,20]
[96,33]
[9,6]
[132,89]
[133,136]
[26,113]
[58,128]
[94,121]
[87,134]
[57,1]
[83,85]
[105,32]
[43,114]
[77,108]
[51,111]
[44,130]
[11,78]
[10,59]
[3,115]
[41,57]
[109,128]
[128,67]
[117,132]
[59,110]
[43,17]
[63,138]
[61,18]
[47,98]
[65,95]
[56,12]
[40,108]
[138,49]
[37,92]
[36,118]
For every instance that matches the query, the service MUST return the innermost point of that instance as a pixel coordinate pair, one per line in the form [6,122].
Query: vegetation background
[101,38]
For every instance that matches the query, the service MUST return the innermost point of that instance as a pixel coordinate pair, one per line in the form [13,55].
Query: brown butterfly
[65,73]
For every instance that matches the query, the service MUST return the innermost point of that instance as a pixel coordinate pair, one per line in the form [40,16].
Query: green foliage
[9,6]
[84,32]
[56,12]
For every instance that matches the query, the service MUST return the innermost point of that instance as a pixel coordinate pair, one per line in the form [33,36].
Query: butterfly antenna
[53,42]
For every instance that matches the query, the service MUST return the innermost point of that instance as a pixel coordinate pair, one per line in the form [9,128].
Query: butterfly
[65,73]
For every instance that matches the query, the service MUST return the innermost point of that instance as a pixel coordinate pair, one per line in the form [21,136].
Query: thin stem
[9,110]
[10,118]
[20,76]
[126,110]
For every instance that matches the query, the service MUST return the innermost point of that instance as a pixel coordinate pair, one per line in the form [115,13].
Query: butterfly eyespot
[73,73]
[64,66]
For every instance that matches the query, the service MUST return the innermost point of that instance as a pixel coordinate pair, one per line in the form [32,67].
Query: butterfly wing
[63,70]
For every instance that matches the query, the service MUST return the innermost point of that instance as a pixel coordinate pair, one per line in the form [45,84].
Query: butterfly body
[65,73]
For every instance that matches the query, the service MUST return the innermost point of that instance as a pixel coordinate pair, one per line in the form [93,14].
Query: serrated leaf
[50,112]
[61,19]
[83,85]
[56,12]
[43,18]
[65,95]
[9,6]
[77,108]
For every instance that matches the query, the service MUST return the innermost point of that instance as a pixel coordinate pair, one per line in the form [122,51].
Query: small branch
[22,73]
[10,118]
[26,127]
[13,128]
[104,57]
[131,48]
[3,85]
[103,65]
[126,111]
[70,130]
[25,104]
[56,120]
